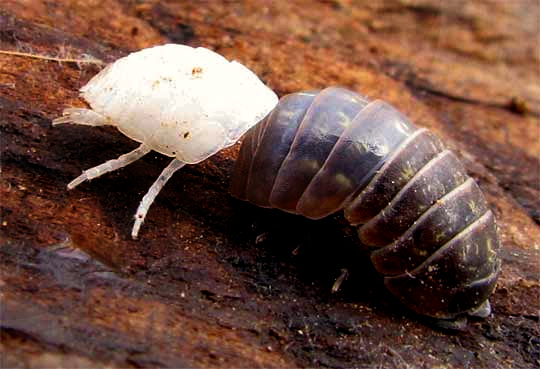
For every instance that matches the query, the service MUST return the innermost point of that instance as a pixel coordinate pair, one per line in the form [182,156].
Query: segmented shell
[319,152]
[180,101]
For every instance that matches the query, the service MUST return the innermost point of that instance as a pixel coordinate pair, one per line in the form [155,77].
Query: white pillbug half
[184,102]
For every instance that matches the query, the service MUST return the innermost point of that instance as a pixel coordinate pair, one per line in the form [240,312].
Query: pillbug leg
[482,311]
[110,166]
[86,117]
[339,281]
[456,324]
[148,199]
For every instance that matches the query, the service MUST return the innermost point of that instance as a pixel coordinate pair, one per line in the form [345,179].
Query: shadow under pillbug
[435,239]
[183,102]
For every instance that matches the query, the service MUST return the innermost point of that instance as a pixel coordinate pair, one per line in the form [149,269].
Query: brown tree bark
[196,290]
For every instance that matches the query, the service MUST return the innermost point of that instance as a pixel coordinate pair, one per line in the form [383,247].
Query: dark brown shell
[319,152]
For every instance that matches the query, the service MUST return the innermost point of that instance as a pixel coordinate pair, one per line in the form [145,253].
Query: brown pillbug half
[434,237]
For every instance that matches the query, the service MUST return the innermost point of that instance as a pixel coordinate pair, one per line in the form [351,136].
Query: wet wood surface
[196,289]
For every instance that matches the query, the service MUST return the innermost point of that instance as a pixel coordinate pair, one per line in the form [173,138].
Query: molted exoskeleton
[319,152]
[184,102]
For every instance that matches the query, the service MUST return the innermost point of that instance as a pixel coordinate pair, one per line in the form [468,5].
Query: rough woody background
[196,290]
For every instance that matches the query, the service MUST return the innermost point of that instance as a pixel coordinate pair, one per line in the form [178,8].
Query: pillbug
[433,236]
[183,102]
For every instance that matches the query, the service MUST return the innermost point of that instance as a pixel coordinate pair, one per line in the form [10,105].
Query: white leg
[148,199]
[82,116]
[109,166]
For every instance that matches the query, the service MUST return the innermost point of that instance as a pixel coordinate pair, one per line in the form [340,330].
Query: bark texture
[196,290]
